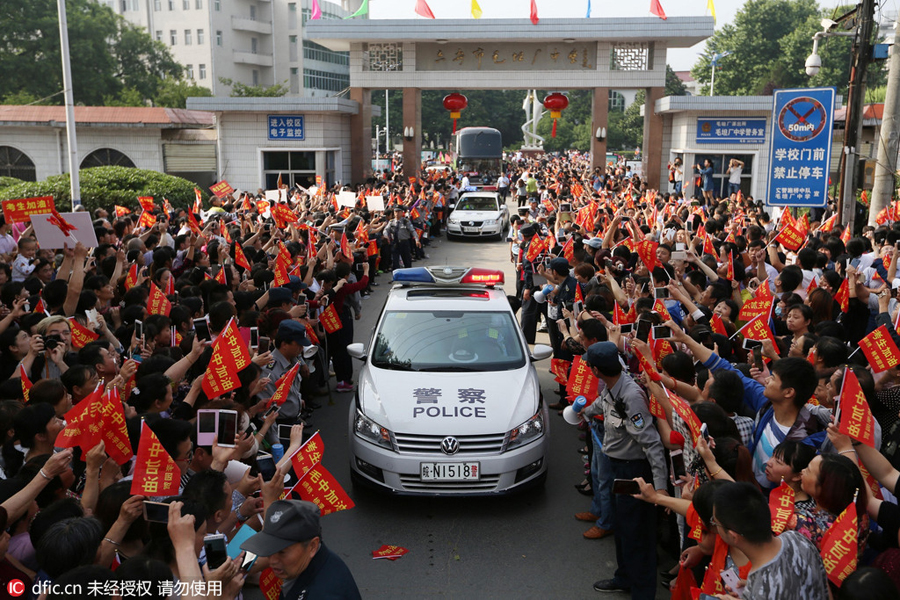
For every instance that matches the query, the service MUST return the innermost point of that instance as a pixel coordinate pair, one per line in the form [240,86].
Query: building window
[187,37]
[186,4]
[157,5]
[16,164]
[218,38]
[200,37]
[124,5]
[255,77]
[720,171]
[294,167]
[173,37]
[171,4]
[324,80]
[158,35]
[217,5]
[254,45]
[198,4]
[292,46]
[295,80]
[106,157]
[189,71]
[252,12]
[202,71]
[314,51]
[292,15]
[616,101]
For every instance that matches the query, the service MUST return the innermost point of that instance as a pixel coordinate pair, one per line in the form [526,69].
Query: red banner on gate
[20,211]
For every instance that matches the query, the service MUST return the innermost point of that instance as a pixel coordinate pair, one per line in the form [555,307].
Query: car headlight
[453,221]
[490,222]
[371,431]
[527,432]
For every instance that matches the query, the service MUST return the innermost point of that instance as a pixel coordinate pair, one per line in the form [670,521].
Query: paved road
[524,546]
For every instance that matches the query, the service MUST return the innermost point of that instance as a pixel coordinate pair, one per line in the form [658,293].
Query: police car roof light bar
[483,276]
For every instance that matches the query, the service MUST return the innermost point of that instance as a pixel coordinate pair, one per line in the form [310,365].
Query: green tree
[107,54]
[674,85]
[174,93]
[240,90]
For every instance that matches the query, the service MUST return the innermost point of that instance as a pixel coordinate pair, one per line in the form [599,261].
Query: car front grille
[471,223]
[414,483]
[468,444]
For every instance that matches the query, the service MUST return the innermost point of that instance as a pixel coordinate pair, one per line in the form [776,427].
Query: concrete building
[253,42]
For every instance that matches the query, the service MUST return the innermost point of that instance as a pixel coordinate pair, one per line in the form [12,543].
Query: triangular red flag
[842,295]
[283,386]
[320,487]
[840,545]
[240,259]
[26,383]
[131,278]
[345,246]
[656,9]
[533,14]
[155,472]
[157,303]
[718,325]
[423,10]
[854,417]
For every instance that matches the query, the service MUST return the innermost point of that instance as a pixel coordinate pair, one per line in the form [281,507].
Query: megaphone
[541,296]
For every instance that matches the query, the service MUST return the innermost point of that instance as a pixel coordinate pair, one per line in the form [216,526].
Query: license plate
[449,471]
[470,229]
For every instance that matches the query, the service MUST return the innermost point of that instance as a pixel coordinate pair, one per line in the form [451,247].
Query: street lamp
[715,63]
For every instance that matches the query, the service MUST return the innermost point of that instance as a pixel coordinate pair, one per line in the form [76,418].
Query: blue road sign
[800,150]
[713,130]
[285,127]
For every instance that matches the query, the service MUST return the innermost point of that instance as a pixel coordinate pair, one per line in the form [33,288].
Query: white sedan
[478,214]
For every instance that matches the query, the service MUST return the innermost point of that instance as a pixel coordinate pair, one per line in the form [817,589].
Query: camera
[51,341]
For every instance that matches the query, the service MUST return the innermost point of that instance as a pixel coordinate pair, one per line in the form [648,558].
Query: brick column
[599,118]
[361,136]
[412,117]
[653,130]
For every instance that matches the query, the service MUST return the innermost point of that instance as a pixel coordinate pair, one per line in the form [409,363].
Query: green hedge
[102,187]
[8,181]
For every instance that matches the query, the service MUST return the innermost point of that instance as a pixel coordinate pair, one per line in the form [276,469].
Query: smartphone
[661,332]
[757,357]
[93,317]
[270,410]
[626,328]
[689,226]
[704,431]
[626,486]
[661,293]
[216,554]
[577,307]
[207,423]
[265,464]
[676,457]
[749,344]
[156,512]
[732,580]
[226,430]
[643,330]
[679,255]
[679,247]
[263,346]
[139,331]
[249,560]
[27,306]
[201,326]
[284,432]
[254,337]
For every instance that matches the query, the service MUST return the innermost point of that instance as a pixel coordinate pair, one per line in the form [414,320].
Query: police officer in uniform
[401,234]
[290,341]
[634,449]
[531,308]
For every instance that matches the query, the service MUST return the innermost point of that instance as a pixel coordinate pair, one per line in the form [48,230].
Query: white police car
[478,214]
[448,401]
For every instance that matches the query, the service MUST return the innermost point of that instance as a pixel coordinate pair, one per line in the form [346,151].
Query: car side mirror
[540,352]
[358,350]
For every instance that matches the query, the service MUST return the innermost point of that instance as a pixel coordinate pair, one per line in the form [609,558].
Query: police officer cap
[399,208]
[287,523]
[560,265]
[290,330]
[603,355]
[280,295]
[529,230]
[295,284]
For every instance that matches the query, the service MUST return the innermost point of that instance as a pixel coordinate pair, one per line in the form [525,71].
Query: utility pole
[889,138]
[74,183]
[860,57]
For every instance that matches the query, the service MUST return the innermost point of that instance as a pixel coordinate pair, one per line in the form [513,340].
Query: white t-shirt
[735,175]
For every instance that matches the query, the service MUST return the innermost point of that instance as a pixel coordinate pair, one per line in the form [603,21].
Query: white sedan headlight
[453,221]
[371,431]
[527,432]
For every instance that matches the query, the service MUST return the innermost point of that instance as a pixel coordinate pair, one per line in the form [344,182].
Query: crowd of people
[648,295]
[712,337]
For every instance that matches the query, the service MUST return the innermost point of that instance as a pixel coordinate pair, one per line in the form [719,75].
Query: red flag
[579,297]
[61,224]
[846,235]
[828,224]
[756,306]
[423,10]
[281,272]
[345,246]
[718,325]
[121,211]
[198,201]
[311,334]
[656,9]
[147,220]
[361,233]
[146,203]
[170,285]
[81,335]
[840,545]
[113,429]
[41,307]
[560,368]
[240,259]
[880,350]
[790,237]
[535,247]
[330,319]
[155,472]
[758,329]
[320,487]
[842,295]
[223,230]
[813,284]
[157,303]
[708,247]
[26,383]
[568,250]
[269,585]
[389,552]
[660,307]
[229,356]
[533,13]
[729,268]
[283,386]
[854,415]
[131,278]
[620,317]
[192,223]
[308,456]
[683,409]
[82,428]
[647,252]
[581,381]
[781,506]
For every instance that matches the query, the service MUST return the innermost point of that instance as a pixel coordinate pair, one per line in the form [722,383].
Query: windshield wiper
[394,365]
[449,369]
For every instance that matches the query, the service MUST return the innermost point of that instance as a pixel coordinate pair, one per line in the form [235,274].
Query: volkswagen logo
[471,222]
[449,445]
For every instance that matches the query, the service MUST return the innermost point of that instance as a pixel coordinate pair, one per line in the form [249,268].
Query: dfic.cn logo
[16,588]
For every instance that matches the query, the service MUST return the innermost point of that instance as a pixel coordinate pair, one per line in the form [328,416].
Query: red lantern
[555,103]
[455,103]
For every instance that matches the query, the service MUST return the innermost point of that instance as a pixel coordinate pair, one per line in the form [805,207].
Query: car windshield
[477,203]
[448,341]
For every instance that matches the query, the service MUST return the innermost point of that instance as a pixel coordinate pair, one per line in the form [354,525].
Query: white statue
[533,113]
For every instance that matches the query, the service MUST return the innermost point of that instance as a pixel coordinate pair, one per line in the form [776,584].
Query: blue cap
[603,355]
[292,331]
[280,295]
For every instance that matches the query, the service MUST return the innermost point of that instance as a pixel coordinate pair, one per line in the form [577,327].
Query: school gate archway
[469,54]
